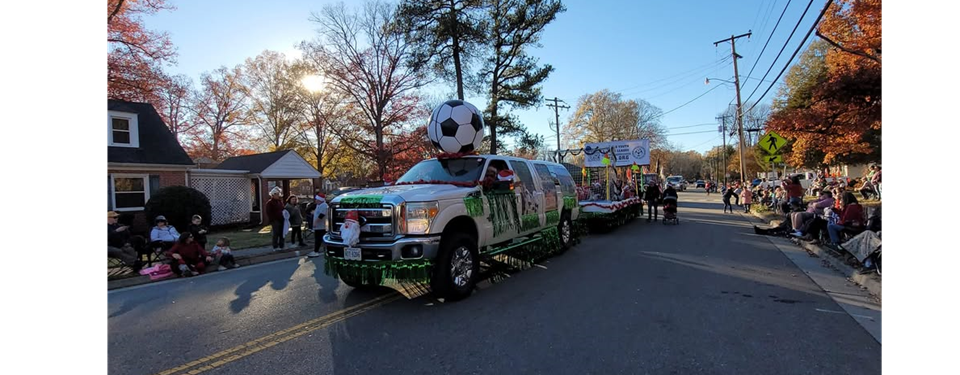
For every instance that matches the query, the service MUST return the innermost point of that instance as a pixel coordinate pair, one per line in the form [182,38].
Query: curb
[870,282]
[242,261]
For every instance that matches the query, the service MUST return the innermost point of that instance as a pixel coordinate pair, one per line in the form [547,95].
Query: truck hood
[412,193]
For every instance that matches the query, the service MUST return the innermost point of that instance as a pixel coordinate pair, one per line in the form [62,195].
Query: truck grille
[379,226]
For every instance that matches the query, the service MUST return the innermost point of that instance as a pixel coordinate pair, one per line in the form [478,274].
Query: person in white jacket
[319,224]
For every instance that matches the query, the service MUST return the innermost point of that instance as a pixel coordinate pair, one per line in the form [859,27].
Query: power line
[812,27]
[691,126]
[699,132]
[699,74]
[708,141]
[691,100]
[768,40]
[782,48]
[683,74]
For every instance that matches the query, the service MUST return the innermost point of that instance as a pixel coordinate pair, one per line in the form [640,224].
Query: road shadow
[328,284]
[278,281]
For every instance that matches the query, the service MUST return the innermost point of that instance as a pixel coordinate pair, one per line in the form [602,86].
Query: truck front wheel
[457,267]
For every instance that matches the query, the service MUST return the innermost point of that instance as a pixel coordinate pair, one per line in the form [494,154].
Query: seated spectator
[801,221]
[851,220]
[188,257]
[864,247]
[224,255]
[119,243]
[163,234]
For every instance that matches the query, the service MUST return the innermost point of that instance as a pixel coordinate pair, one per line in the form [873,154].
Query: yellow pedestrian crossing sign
[772,143]
[773,159]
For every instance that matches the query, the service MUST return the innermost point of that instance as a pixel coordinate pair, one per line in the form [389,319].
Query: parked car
[701,184]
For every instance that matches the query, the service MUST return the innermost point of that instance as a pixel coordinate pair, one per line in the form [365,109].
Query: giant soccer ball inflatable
[456,127]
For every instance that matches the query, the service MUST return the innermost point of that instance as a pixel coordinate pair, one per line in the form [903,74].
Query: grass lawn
[242,238]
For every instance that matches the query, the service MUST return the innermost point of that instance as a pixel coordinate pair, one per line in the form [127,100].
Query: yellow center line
[243,350]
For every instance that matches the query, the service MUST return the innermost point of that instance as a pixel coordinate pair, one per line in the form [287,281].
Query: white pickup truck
[442,217]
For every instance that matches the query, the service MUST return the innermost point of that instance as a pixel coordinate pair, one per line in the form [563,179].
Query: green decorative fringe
[503,212]
[530,221]
[569,201]
[361,201]
[553,217]
[523,257]
[474,206]
[374,273]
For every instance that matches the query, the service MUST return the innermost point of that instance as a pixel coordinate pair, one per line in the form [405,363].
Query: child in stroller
[670,199]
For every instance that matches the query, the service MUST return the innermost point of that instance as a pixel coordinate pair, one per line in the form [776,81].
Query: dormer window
[122,129]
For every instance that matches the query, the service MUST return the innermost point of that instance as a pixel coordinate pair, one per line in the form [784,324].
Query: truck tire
[457,267]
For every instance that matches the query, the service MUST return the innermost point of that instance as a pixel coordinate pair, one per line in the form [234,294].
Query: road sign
[770,159]
[772,143]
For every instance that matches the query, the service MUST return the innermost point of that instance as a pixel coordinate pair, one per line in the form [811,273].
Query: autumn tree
[363,56]
[830,104]
[221,110]
[323,109]
[136,55]
[174,104]
[274,95]
[605,116]
[511,75]
[444,34]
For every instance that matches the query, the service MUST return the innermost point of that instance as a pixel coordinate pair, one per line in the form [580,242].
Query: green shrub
[178,204]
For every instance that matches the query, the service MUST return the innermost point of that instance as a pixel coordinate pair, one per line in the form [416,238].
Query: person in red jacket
[851,219]
[190,258]
[274,210]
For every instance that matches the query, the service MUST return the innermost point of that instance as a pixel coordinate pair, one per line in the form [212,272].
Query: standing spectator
[296,222]
[199,232]
[875,180]
[727,194]
[794,192]
[652,195]
[319,224]
[274,209]
[738,189]
[747,199]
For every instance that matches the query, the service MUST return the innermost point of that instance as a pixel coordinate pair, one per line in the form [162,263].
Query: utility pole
[723,151]
[736,77]
[556,111]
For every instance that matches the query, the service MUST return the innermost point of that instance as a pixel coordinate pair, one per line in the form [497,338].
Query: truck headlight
[417,217]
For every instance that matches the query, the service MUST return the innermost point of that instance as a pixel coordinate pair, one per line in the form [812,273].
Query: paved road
[707,296]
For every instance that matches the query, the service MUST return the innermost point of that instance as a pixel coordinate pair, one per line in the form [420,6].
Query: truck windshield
[447,170]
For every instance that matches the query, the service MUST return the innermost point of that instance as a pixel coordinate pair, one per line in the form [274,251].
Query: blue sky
[659,51]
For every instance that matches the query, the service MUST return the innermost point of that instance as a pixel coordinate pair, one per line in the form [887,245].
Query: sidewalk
[244,257]
[871,281]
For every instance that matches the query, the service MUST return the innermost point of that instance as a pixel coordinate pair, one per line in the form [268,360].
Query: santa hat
[506,175]
[352,215]
[319,197]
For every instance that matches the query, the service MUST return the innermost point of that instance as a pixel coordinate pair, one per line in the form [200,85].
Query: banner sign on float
[627,152]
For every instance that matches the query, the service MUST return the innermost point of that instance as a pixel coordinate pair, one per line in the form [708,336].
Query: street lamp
[706,81]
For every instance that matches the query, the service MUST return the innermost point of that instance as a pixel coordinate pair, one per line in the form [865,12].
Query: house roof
[285,164]
[157,143]
[255,163]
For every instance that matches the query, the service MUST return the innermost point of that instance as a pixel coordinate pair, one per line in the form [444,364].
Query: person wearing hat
[118,242]
[274,211]
[163,233]
[319,224]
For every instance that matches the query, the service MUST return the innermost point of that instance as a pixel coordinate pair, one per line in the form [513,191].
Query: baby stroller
[670,211]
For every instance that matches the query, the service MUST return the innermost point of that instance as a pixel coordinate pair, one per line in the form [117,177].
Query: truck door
[498,224]
[530,197]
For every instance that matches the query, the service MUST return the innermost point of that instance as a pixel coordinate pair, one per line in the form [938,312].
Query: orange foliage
[135,56]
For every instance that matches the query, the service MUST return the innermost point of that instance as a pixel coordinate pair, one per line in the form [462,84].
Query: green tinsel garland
[474,206]
[524,256]
[361,201]
[553,217]
[569,202]
[503,212]
[530,221]
[376,272]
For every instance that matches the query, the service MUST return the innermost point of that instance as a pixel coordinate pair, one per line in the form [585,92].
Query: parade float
[452,218]
[609,194]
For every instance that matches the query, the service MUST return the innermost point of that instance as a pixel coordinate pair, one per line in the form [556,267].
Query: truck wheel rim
[461,266]
[565,231]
